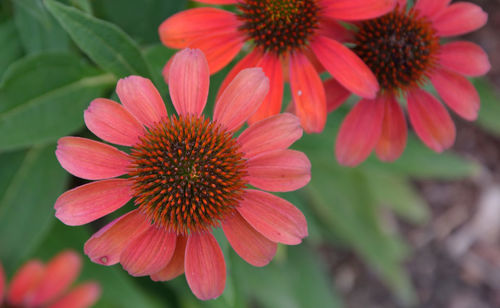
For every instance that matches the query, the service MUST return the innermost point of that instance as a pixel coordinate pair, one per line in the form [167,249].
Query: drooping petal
[271,65]
[181,29]
[149,252]
[92,201]
[308,93]
[357,9]
[205,266]
[279,170]
[249,244]
[176,265]
[457,92]
[392,141]
[336,94]
[59,273]
[431,121]
[91,160]
[24,282]
[360,132]
[111,122]
[241,98]
[83,296]
[430,8]
[2,283]
[345,66]
[188,82]
[459,18]
[275,133]
[220,49]
[275,218]
[106,245]
[464,58]
[250,60]
[142,99]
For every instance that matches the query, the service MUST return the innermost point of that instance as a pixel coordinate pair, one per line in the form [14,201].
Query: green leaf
[37,29]
[489,113]
[300,281]
[107,45]
[420,162]
[35,180]
[140,19]
[11,45]
[397,193]
[42,98]
[118,288]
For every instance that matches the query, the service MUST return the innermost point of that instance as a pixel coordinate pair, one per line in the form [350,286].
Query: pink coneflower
[290,40]
[404,51]
[187,174]
[39,285]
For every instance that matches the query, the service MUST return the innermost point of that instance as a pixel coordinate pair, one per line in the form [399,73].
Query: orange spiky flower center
[189,174]
[278,25]
[399,47]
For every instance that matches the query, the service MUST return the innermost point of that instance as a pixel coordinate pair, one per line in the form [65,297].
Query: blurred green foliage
[57,56]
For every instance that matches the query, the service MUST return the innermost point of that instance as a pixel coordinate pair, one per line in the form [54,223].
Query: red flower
[39,285]
[187,175]
[403,49]
[289,38]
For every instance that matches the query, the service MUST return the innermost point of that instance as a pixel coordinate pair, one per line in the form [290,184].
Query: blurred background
[421,232]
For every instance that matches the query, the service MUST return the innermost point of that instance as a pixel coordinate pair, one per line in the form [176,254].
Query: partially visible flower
[38,285]
[291,40]
[404,51]
[187,174]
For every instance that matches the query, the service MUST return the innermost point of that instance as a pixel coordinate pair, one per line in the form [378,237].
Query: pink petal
[360,132]
[2,283]
[357,9]
[275,218]
[241,98]
[250,60]
[188,82]
[457,92]
[83,296]
[392,141]
[346,67]
[175,267]
[334,30]
[149,252]
[204,265]
[430,8]
[464,58]
[142,99]
[111,122]
[181,29]
[308,93]
[249,244]
[220,49]
[59,274]
[91,160]
[275,133]
[106,245]
[92,201]
[24,282]
[279,170]
[431,121]
[271,105]
[459,18]
[336,94]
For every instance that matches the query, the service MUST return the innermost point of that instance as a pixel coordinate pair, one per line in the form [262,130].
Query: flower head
[404,50]
[186,174]
[290,40]
[46,285]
